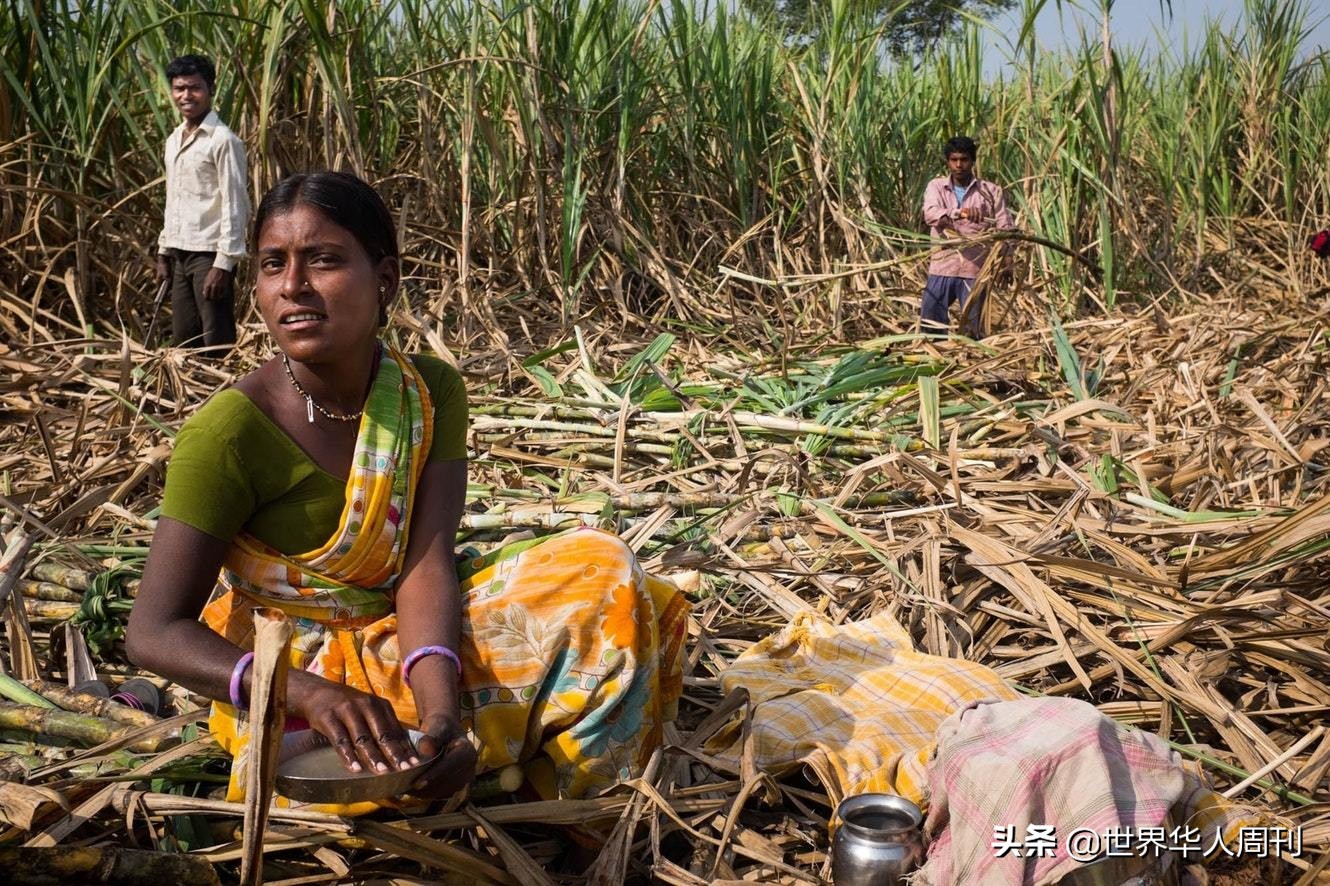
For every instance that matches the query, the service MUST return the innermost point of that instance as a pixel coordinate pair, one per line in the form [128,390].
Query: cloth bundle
[866,712]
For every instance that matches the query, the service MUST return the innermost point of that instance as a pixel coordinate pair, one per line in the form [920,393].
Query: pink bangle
[424,651]
[238,682]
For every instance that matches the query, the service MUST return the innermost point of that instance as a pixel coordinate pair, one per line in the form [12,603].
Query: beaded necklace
[310,405]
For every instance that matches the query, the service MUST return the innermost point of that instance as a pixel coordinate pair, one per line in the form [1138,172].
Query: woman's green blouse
[234,470]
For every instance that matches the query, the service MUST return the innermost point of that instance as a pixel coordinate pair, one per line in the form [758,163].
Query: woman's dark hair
[961,144]
[188,65]
[345,200]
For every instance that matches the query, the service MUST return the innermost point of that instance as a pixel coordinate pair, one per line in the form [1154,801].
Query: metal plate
[312,771]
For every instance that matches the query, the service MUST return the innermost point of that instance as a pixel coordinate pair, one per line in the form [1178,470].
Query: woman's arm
[429,612]
[180,574]
[165,636]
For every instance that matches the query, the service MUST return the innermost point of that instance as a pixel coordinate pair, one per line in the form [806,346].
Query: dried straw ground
[1131,510]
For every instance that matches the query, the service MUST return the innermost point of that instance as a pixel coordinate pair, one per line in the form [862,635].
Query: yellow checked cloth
[854,702]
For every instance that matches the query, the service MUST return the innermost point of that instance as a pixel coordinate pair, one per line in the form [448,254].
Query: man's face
[960,165]
[191,95]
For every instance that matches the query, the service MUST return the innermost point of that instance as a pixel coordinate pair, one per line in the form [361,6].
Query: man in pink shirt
[959,205]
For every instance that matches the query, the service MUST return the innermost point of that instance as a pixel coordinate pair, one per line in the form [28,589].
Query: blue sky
[1141,22]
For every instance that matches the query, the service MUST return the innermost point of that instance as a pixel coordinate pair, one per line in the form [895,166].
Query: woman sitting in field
[329,483]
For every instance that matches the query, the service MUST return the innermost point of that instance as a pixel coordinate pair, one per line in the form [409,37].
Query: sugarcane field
[680,441]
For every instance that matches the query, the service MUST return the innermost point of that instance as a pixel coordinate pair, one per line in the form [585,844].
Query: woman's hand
[362,727]
[456,764]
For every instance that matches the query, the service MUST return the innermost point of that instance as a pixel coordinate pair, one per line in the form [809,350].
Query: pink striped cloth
[1059,762]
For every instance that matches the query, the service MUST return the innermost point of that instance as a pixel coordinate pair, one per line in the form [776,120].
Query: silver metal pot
[878,841]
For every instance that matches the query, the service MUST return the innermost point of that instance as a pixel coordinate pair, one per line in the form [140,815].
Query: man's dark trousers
[940,293]
[196,321]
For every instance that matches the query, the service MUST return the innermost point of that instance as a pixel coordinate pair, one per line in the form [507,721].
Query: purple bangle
[128,700]
[238,682]
[424,651]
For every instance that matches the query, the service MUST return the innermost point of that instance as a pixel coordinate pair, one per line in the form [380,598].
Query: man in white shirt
[207,209]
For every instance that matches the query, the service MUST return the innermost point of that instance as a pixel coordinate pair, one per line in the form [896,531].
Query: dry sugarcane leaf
[21,804]
[267,716]
[1016,575]
[22,657]
[434,854]
[611,864]
[277,839]
[1310,521]
[1314,770]
[78,663]
[515,858]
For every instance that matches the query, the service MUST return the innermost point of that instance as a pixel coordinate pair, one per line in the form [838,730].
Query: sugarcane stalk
[584,510]
[572,445]
[564,520]
[18,693]
[547,520]
[67,576]
[557,411]
[16,548]
[488,423]
[798,426]
[757,536]
[48,610]
[82,728]
[45,590]
[585,458]
[70,700]
[16,736]
[97,549]
[848,450]
[41,866]
[484,401]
